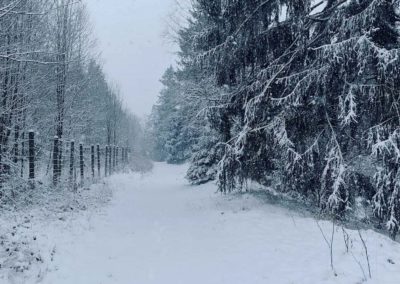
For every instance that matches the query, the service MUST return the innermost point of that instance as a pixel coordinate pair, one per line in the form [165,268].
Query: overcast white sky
[134,53]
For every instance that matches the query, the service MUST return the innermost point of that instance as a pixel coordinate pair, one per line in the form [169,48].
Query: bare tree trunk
[61,72]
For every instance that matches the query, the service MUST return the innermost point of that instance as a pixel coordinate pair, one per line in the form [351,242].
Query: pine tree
[304,92]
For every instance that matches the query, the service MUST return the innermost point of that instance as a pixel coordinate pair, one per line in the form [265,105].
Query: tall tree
[275,65]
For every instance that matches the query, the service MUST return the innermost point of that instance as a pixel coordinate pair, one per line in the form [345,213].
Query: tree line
[51,83]
[298,94]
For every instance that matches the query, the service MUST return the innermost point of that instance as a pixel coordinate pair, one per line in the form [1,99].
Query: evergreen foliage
[303,91]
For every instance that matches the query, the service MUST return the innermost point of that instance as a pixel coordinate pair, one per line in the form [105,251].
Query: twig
[366,252]
[359,264]
[291,216]
[346,238]
[330,244]
[333,234]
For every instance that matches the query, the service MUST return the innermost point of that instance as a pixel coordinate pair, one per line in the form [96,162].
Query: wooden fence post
[113,159]
[98,161]
[22,154]
[59,159]
[92,159]
[16,150]
[1,170]
[106,161]
[123,156]
[81,163]
[109,160]
[55,160]
[72,162]
[116,157]
[31,150]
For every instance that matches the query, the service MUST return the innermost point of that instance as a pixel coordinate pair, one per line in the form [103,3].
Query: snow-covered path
[157,229]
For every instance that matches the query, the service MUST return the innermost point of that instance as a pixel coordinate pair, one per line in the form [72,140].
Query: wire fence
[59,162]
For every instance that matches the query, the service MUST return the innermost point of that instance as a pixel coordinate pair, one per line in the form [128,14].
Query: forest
[199,141]
[298,95]
[53,86]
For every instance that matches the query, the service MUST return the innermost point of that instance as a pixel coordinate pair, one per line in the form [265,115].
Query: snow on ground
[30,234]
[158,229]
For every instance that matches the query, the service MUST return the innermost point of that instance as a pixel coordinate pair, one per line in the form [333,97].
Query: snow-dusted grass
[157,229]
[29,230]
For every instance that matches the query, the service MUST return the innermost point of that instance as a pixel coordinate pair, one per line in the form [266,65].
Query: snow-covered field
[157,229]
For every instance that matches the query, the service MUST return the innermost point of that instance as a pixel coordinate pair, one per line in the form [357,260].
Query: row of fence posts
[114,157]
[5,168]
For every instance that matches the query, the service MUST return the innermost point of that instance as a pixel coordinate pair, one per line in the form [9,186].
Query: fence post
[31,150]
[122,157]
[109,160]
[92,159]
[72,162]
[1,170]
[98,160]
[126,155]
[113,159]
[110,172]
[81,163]
[117,158]
[16,150]
[106,161]
[22,154]
[59,158]
[55,161]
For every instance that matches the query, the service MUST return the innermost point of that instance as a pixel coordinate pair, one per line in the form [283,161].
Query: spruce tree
[305,93]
